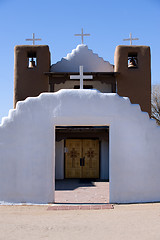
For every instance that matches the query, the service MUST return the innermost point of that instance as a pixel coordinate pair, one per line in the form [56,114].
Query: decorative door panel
[91,159]
[82,158]
[72,158]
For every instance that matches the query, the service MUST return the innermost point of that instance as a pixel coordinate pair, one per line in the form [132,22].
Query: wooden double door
[82,158]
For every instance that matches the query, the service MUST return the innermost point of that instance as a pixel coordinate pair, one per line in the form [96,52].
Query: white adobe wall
[90,61]
[104,164]
[27,139]
[59,160]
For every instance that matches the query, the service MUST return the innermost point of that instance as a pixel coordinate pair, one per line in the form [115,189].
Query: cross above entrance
[130,39]
[81,76]
[82,34]
[33,39]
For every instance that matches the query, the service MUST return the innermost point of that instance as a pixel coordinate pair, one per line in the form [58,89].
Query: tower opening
[132,60]
[32,59]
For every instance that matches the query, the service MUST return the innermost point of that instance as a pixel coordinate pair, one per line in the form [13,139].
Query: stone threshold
[80,207]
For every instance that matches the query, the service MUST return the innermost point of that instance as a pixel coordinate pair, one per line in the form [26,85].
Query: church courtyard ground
[133,221]
[81,191]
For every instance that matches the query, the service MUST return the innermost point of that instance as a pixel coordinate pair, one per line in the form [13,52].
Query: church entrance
[82,152]
[82,164]
[82,158]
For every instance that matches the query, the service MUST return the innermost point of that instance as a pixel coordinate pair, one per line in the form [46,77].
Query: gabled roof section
[82,56]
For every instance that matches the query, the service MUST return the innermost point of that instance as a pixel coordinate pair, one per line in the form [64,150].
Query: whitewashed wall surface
[27,145]
[90,61]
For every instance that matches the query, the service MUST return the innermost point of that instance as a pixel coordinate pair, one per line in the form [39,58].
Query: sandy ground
[134,221]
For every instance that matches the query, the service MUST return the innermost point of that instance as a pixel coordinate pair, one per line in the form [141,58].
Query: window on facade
[132,60]
[32,59]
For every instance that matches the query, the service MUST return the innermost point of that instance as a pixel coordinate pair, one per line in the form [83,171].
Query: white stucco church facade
[30,152]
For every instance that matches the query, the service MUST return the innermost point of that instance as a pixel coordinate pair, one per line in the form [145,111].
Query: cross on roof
[130,39]
[81,76]
[33,39]
[82,34]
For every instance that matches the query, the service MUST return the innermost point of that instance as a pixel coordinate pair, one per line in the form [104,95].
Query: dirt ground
[76,191]
[127,222]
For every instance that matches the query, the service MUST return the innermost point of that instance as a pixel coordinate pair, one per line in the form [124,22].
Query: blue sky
[56,22]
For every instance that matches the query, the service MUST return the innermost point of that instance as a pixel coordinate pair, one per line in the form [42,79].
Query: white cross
[33,39]
[82,34]
[130,39]
[81,76]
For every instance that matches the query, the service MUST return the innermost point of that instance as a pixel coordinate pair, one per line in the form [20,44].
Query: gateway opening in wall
[82,163]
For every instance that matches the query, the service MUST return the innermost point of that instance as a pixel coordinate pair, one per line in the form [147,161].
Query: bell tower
[134,79]
[30,63]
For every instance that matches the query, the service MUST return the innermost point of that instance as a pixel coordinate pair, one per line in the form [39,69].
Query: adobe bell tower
[134,79]
[30,63]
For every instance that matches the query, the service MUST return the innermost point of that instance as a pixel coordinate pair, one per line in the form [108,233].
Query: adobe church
[80,118]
